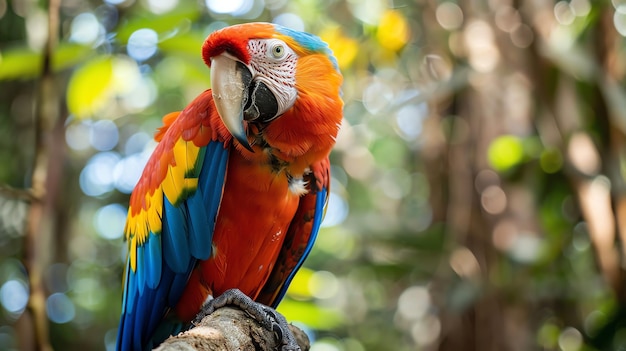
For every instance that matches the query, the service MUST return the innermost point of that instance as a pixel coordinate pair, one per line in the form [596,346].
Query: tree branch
[37,230]
[229,329]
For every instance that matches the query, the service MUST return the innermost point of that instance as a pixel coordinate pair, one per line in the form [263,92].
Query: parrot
[231,200]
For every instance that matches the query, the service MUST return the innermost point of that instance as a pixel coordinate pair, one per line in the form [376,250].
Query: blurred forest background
[478,194]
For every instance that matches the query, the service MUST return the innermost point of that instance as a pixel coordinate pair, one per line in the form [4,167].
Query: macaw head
[260,70]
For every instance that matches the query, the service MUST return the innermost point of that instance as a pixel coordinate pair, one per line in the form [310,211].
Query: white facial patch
[273,62]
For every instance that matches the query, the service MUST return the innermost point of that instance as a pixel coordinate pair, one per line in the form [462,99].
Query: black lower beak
[261,105]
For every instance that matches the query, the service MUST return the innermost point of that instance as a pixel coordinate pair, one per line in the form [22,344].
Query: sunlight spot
[336,212]
[376,96]
[77,135]
[14,296]
[142,96]
[97,177]
[359,163]
[426,331]
[110,339]
[583,154]
[522,36]
[564,13]
[570,339]
[414,302]
[36,27]
[395,183]
[479,39]
[232,7]
[619,20]
[136,143]
[619,5]
[128,170]
[161,6]
[142,44]
[89,293]
[507,18]
[367,11]
[526,247]
[60,308]
[493,199]
[504,235]
[323,285]
[85,29]
[324,346]
[110,220]
[290,20]
[581,8]
[103,135]
[464,263]
[449,15]
[410,120]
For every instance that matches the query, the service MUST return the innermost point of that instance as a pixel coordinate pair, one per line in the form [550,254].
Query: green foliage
[466,217]
[89,86]
[24,63]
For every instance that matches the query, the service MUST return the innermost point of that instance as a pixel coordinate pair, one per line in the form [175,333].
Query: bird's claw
[264,315]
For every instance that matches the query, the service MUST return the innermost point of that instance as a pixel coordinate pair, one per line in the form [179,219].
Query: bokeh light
[414,303]
[77,135]
[290,20]
[142,96]
[60,308]
[103,135]
[449,15]
[128,170]
[86,29]
[235,8]
[161,6]
[110,220]
[96,178]
[336,212]
[142,44]
[410,119]
[14,296]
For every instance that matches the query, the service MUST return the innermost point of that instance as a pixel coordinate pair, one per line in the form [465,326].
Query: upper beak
[230,81]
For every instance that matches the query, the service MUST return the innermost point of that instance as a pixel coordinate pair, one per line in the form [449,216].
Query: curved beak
[230,81]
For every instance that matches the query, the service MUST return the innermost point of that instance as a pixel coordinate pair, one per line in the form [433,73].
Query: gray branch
[229,329]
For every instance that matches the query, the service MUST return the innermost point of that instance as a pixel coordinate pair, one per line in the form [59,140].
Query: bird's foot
[265,315]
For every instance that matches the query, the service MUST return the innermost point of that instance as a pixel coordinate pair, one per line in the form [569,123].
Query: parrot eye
[278,50]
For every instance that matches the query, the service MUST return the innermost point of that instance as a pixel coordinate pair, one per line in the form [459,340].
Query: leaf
[24,63]
[90,87]
[67,55]
[19,63]
[186,44]
[310,314]
[162,24]
[393,30]
[505,152]
[344,48]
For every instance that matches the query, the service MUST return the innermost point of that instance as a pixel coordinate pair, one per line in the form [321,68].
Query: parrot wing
[300,236]
[170,222]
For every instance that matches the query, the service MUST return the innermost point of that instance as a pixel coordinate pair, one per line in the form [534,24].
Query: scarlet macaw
[234,193]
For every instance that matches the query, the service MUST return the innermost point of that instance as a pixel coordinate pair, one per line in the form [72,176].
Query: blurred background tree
[478,196]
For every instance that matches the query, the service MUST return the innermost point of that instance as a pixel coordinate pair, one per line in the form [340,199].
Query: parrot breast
[254,216]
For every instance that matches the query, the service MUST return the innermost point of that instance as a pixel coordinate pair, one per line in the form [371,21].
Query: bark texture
[229,329]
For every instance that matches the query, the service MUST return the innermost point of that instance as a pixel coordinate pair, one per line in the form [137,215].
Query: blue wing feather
[199,236]
[165,261]
[174,238]
[153,254]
